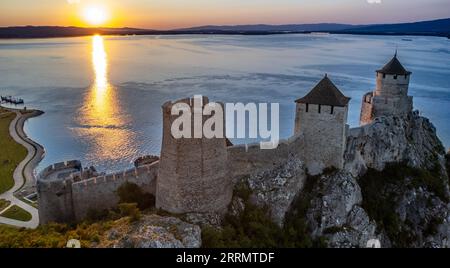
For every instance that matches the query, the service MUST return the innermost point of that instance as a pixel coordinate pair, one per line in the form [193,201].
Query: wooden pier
[12,100]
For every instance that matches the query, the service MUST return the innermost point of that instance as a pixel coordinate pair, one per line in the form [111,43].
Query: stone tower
[193,175]
[321,117]
[390,96]
[54,188]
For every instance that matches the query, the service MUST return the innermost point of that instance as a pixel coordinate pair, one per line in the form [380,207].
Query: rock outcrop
[411,139]
[338,211]
[276,188]
[153,231]
[335,212]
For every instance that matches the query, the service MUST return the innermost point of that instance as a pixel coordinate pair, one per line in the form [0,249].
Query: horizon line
[222,25]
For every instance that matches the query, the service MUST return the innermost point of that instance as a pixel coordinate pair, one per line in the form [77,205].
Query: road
[24,172]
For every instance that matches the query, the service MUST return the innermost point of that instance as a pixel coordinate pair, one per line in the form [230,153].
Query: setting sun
[95,15]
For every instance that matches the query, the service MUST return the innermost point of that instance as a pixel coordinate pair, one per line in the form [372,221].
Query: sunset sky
[169,14]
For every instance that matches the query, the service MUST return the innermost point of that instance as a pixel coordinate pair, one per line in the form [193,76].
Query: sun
[95,15]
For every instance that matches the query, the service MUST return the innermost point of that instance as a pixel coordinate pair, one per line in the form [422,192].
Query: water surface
[102,96]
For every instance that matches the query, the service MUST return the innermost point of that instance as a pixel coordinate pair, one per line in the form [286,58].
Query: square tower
[321,117]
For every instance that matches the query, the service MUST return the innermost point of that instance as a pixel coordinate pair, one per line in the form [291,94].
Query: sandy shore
[24,172]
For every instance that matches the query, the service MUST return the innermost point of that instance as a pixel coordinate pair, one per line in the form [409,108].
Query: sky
[172,14]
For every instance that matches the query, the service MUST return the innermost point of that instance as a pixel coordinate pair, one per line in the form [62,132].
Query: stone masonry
[197,175]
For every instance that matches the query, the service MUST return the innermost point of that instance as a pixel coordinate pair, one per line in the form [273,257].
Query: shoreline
[232,33]
[24,172]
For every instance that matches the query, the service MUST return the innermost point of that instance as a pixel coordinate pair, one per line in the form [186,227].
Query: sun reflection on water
[102,119]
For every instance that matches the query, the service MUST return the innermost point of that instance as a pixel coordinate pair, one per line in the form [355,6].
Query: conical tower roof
[394,67]
[325,93]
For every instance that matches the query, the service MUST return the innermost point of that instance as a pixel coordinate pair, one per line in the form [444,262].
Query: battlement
[73,166]
[67,192]
[197,174]
[394,77]
[100,192]
[368,97]
[167,106]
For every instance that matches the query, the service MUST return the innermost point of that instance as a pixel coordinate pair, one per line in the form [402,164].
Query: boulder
[153,231]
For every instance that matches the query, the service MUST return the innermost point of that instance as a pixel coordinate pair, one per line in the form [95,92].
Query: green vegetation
[253,228]
[4,204]
[380,194]
[130,210]
[132,193]
[52,235]
[132,200]
[17,213]
[12,152]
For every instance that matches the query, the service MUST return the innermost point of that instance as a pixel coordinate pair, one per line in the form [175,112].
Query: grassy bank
[4,204]
[17,213]
[11,152]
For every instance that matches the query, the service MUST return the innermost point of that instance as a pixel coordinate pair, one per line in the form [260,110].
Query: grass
[17,213]
[4,204]
[52,235]
[11,153]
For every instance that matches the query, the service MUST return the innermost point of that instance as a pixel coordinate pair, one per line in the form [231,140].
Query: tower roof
[325,93]
[394,67]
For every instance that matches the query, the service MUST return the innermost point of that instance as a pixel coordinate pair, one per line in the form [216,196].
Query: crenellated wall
[54,187]
[66,194]
[99,193]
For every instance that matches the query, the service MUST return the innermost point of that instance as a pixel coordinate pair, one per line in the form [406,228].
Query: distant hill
[434,28]
[273,28]
[56,31]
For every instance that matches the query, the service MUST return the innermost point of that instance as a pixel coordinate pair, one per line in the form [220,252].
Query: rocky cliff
[394,188]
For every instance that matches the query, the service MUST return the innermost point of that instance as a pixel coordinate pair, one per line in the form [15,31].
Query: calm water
[102,95]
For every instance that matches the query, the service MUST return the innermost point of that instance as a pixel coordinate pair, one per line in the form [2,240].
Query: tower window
[395,77]
[332,109]
[307,107]
[384,75]
[320,108]
[406,76]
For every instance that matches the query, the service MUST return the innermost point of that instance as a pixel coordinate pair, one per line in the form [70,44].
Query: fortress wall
[55,195]
[73,164]
[55,201]
[100,192]
[324,136]
[383,106]
[366,109]
[244,160]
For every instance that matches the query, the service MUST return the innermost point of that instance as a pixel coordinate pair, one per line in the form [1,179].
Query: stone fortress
[198,175]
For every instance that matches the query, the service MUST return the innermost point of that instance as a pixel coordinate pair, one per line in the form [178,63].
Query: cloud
[73,2]
[374,2]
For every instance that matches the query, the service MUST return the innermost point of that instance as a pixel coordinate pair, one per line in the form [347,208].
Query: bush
[130,210]
[132,193]
[380,192]
[253,228]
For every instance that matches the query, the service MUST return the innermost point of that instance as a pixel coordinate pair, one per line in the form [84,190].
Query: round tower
[392,80]
[54,188]
[390,96]
[192,175]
